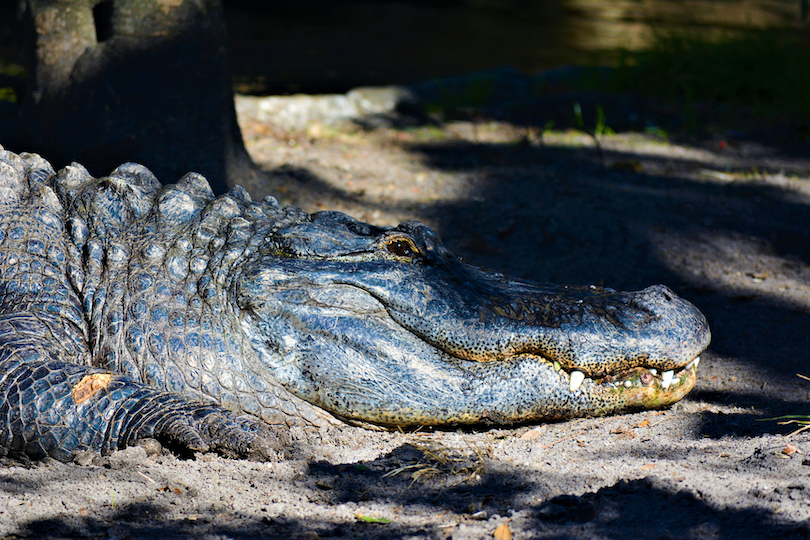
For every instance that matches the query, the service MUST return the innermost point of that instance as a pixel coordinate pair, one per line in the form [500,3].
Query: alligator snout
[606,332]
[593,330]
[677,331]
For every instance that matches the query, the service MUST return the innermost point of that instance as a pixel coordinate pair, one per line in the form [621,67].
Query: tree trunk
[133,80]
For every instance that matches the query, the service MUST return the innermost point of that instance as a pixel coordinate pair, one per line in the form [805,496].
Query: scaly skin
[133,310]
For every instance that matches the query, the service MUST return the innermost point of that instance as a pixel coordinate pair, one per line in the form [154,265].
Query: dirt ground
[723,222]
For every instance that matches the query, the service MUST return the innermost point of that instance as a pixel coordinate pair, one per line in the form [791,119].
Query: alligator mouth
[648,386]
[637,376]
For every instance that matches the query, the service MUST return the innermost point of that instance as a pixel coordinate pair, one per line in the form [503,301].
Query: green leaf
[372,519]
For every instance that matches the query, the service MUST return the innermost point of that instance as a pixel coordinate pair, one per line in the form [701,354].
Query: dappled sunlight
[739,267]
[599,25]
[373,178]
[723,163]
[338,46]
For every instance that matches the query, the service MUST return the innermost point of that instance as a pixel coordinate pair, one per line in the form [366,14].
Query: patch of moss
[7,93]
[765,71]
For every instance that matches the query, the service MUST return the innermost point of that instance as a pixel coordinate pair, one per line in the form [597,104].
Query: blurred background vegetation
[752,54]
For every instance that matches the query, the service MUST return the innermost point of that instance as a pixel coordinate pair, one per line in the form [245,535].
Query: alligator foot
[210,428]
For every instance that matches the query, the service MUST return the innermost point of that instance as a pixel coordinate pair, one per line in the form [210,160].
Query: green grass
[801,420]
[475,95]
[765,71]
[13,70]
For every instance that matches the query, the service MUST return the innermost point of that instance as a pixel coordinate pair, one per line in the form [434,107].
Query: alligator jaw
[647,388]
[639,386]
[577,395]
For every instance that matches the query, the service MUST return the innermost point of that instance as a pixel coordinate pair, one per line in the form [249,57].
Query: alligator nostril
[660,291]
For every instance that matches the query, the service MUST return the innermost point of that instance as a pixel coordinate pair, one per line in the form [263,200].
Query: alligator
[132,310]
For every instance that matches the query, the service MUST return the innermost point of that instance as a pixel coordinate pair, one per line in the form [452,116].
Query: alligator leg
[56,409]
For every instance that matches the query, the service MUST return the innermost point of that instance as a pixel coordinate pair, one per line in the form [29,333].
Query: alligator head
[385,325]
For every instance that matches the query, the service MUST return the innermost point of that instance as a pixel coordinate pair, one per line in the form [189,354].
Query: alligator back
[42,317]
[58,262]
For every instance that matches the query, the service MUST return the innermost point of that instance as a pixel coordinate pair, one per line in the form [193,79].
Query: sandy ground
[724,223]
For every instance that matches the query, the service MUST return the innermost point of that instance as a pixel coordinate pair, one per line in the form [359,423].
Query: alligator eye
[402,247]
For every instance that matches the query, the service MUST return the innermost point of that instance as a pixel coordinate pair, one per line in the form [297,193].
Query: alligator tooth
[628,384]
[576,380]
[654,371]
[556,365]
[667,379]
[694,363]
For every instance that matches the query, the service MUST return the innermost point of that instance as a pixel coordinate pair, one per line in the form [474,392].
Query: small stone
[84,458]
[533,433]
[128,458]
[151,446]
